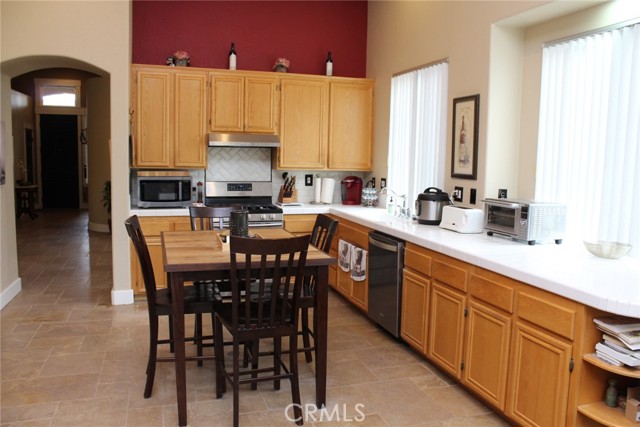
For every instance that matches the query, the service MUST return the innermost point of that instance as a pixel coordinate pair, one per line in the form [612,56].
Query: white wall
[492,52]
[94,36]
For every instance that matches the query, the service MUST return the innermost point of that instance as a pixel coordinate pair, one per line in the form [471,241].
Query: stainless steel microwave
[525,220]
[162,191]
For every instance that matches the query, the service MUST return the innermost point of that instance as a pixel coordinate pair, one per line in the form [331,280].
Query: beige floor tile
[70,358]
[101,412]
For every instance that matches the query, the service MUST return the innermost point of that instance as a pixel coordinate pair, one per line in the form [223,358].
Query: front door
[59,154]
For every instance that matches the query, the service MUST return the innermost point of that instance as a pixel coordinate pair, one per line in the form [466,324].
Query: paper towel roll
[327,190]
[318,197]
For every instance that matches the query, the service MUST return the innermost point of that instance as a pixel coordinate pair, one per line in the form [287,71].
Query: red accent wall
[301,31]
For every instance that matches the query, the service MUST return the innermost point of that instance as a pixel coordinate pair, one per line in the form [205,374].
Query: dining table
[204,255]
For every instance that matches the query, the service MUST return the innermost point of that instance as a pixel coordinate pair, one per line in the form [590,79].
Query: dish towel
[358,264]
[344,255]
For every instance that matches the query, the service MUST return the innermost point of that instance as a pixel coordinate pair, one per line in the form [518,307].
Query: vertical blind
[589,134]
[417,130]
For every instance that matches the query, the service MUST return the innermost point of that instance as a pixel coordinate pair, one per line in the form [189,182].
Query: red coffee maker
[351,190]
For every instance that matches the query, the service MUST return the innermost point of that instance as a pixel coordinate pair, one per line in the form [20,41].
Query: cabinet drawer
[182,224]
[299,223]
[354,234]
[154,226]
[497,294]
[450,271]
[417,259]
[548,311]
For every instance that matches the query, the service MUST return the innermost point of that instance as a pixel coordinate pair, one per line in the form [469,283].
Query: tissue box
[632,411]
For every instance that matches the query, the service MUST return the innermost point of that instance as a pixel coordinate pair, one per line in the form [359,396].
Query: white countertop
[568,269]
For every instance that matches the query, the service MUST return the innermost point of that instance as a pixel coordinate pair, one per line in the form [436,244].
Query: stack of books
[620,345]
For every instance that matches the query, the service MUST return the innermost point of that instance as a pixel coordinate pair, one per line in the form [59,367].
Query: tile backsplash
[255,164]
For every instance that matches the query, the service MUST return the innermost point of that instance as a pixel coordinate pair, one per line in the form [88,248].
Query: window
[57,93]
[589,134]
[417,130]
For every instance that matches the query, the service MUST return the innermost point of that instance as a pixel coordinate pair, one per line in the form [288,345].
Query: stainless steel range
[256,197]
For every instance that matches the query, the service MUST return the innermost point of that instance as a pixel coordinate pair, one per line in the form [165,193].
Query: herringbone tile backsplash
[239,164]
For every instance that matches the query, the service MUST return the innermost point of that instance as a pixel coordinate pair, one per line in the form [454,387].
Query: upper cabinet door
[190,125]
[242,102]
[152,118]
[260,105]
[304,109]
[227,97]
[351,125]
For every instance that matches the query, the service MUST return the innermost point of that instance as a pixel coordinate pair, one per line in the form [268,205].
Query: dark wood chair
[321,237]
[259,310]
[159,304]
[208,218]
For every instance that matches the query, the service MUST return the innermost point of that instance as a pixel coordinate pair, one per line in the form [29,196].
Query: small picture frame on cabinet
[464,154]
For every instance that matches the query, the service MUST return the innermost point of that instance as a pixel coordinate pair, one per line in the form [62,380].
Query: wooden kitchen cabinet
[446,328]
[243,102]
[447,310]
[488,335]
[325,123]
[539,384]
[415,301]
[351,125]
[169,117]
[304,112]
[152,227]
[542,359]
[357,292]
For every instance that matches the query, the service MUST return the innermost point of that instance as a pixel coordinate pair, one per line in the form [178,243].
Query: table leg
[177,295]
[322,296]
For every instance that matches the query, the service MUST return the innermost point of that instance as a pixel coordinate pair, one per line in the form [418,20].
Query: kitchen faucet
[404,212]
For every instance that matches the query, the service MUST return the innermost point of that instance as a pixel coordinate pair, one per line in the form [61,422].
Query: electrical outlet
[457,194]
[308,180]
[502,193]
[472,196]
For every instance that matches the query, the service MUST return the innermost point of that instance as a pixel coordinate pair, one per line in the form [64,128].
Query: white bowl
[604,249]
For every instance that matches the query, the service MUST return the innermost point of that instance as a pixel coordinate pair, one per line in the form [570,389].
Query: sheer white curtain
[589,134]
[417,130]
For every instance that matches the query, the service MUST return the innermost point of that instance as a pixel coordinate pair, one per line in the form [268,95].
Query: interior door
[59,154]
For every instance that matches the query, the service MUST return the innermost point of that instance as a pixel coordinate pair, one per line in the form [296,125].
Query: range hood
[243,140]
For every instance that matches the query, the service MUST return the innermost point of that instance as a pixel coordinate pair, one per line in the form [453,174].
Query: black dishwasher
[386,259]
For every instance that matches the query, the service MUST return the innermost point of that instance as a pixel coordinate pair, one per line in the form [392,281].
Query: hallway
[70,358]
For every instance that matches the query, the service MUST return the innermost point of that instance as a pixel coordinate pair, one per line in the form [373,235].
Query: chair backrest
[262,279]
[323,231]
[132,225]
[208,217]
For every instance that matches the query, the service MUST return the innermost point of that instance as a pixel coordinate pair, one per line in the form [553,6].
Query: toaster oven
[525,220]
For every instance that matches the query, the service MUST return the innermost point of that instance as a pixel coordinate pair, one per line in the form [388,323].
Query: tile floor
[70,358]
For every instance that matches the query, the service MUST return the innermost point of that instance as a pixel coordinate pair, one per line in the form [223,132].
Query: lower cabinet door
[446,326]
[344,282]
[539,378]
[415,301]
[486,360]
[360,294]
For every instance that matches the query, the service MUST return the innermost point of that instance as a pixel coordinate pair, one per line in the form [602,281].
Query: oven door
[502,217]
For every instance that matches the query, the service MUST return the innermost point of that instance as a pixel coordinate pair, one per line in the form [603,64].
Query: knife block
[289,197]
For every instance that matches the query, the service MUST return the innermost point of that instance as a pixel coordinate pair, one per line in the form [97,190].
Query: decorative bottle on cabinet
[232,57]
[329,65]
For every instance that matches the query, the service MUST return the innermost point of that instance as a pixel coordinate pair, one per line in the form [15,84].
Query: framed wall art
[464,156]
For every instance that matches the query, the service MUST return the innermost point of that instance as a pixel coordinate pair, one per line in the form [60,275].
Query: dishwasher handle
[386,244]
